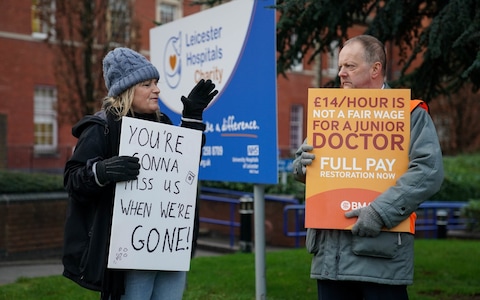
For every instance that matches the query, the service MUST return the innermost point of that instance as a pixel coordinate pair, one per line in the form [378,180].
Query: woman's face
[145,97]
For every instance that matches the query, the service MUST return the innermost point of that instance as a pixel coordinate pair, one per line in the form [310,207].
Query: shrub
[462,178]
[472,213]
[18,183]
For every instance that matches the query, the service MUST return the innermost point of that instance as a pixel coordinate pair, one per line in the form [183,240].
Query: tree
[443,35]
[445,32]
[82,32]
[456,117]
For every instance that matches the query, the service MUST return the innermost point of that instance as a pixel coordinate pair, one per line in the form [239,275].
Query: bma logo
[348,205]
[172,61]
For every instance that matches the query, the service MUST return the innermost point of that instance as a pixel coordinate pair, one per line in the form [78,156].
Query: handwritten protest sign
[153,216]
[361,139]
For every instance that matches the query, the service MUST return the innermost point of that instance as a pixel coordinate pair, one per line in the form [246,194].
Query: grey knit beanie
[123,68]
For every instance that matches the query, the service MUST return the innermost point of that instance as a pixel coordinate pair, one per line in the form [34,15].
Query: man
[367,263]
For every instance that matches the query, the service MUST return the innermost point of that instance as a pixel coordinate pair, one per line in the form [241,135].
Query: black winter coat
[89,211]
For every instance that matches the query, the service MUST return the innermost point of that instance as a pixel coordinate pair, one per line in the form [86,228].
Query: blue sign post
[233,45]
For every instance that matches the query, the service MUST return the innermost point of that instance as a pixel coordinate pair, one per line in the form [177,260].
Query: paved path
[11,271]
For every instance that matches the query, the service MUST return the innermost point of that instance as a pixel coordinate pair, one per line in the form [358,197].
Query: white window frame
[119,22]
[40,28]
[332,61]
[177,13]
[296,127]
[45,113]
[297,64]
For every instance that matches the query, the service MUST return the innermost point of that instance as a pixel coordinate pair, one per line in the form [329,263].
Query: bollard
[442,222]
[246,211]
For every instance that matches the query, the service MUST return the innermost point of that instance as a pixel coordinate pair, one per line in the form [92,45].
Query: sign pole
[259,211]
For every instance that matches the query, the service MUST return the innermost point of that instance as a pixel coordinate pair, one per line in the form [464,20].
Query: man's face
[353,70]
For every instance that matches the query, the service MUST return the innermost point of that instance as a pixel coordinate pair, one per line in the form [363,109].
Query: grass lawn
[444,269]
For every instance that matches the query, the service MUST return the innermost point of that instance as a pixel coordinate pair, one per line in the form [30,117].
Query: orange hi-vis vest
[414,104]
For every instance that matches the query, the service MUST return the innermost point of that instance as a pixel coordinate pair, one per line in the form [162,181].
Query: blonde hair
[121,105]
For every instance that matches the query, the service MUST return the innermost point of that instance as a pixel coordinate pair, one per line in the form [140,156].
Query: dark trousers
[355,290]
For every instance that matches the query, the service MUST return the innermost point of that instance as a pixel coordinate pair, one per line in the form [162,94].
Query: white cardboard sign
[153,216]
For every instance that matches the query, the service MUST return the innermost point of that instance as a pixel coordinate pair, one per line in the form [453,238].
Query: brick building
[31,136]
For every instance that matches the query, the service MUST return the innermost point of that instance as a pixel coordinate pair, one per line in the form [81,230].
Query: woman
[95,166]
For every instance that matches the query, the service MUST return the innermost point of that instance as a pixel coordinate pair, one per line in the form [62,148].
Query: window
[43,18]
[119,22]
[296,127]
[297,64]
[45,119]
[168,11]
[332,68]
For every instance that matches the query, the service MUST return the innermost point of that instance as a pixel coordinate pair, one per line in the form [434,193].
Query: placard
[361,139]
[153,216]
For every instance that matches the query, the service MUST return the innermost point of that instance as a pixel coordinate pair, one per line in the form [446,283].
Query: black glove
[198,99]
[369,222]
[117,168]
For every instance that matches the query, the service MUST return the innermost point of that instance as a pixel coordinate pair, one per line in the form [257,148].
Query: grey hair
[374,50]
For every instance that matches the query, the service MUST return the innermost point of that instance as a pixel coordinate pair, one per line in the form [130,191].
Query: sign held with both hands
[361,139]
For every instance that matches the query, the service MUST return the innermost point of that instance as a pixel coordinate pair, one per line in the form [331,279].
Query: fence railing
[232,197]
[434,219]
[230,222]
